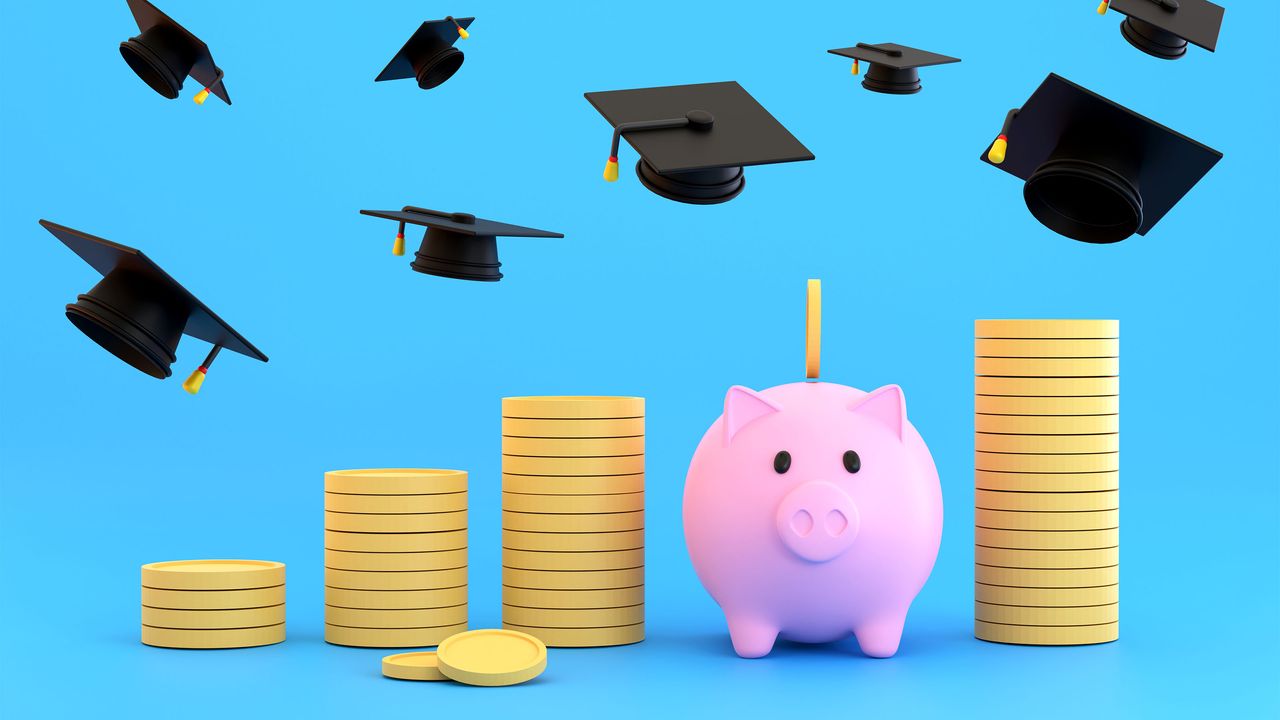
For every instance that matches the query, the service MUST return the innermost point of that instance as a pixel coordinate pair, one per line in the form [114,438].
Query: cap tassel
[462,32]
[611,169]
[201,96]
[196,379]
[855,67]
[1102,7]
[998,148]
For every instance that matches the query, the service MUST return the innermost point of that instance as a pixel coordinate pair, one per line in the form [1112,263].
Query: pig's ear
[886,404]
[742,406]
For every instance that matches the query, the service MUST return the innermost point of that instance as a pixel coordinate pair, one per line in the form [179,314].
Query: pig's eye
[852,462]
[782,462]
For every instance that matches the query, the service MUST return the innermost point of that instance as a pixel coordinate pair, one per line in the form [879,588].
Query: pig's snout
[818,521]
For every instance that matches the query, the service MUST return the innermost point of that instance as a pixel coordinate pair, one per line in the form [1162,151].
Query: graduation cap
[1162,28]
[429,57]
[892,67]
[165,53]
[1095,171]
[138,313]
[455,245]
[694,140]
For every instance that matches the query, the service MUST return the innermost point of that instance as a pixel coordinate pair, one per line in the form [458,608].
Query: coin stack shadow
[573,519]
[1047,481]
[206,604]
[395,557]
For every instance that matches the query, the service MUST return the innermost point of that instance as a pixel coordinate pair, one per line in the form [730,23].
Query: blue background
[254,207]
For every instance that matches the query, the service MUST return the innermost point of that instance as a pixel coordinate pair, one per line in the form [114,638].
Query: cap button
[464,218]
[700,119]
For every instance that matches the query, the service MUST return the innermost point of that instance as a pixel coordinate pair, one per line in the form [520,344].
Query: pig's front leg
[879,636]
[752,637]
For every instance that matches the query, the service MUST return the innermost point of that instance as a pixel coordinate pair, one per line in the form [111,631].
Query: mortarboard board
[694,140]
[138,313]
[455,245]
[165,53]
[893,67]
[429,56]
[1095,171]
[1162,28]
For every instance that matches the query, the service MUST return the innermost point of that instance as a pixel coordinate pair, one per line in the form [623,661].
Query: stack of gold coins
[395,557]
[573,519]
[199,604]
[1047,481]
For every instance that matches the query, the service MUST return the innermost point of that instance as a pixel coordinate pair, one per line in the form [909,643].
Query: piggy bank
[812,511]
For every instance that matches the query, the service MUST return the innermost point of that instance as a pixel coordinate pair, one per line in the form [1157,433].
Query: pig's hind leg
[879,636]
[752,638]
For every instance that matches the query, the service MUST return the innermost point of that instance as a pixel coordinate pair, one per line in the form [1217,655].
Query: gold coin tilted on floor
[413,666]
[492,658]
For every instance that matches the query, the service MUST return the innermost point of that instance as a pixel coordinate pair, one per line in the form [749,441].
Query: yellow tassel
[611,170]
[998,148]
[201,96]
[855,67]
[194,381]
[1102,7]
[398,248]
[462,33]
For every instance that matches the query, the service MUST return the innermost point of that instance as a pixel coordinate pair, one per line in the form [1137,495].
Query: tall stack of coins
[212,603]
[395,557]
[1047,481]
[573,519]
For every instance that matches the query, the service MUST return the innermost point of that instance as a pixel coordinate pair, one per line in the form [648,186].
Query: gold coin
[1046,501]
[1040,406]
[1046,597]
[389,637]
[395,504]
[1041,463]
[1050,329]
[212,599]
[401,618]
[581,407]
[604,522]
[571,428]
[212,619]
[573,542]
[1046,482]
[584,637]
[212,574]
[395,481]
[1047,444]
[813,329]
[573,447]
[1050,540]
[573,618]
[1046,616]
[603,560]
[1032,635]
[1008,557]
[405,580]
[614,598]
[1047,424]
[1046,367]
[396,599]
[393,562]
[395,542]
[571,580]
[414,523]
[492,658]
[572,467]
[1046,387]
[210,639]
[552,485]
[413,666]
[1039,347]
[1047,520]
[1055,578]
[573,504]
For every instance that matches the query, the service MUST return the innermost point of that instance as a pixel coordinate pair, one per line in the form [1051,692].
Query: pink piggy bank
[812,511]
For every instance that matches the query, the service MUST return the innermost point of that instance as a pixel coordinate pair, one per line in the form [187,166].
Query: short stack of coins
[573,519]
[395,557]
[206,604]
[1047,481]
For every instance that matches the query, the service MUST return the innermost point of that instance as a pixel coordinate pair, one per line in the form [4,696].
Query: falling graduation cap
[138,313]
[1095,171]
[165,53]
[455,245]
[694,140]
[892,68]
[1162,28]
[429,56]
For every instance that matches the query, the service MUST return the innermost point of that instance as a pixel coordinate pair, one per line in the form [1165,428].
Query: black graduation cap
[694,140]
[1095,171]
[893,67]
[429,56]
[1162,28]
[138,313]
[455,245]
[165,53]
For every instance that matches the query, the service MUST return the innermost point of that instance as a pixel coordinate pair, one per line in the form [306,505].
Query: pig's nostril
[802,523]
[836,523]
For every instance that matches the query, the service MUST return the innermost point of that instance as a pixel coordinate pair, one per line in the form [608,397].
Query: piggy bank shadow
[718,645]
